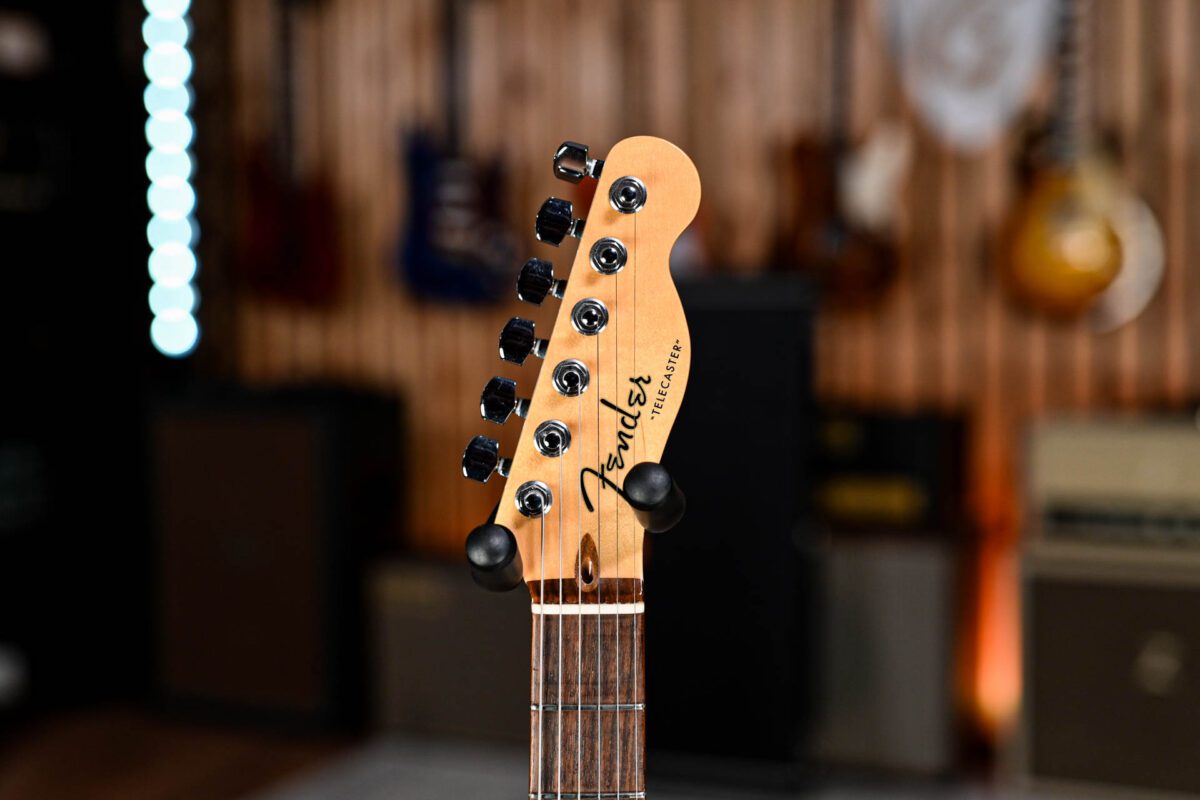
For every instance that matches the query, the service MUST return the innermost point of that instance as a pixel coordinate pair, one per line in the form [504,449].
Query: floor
[129,755]
[400,768]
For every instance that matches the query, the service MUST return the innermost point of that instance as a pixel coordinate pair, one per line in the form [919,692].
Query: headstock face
[637,370]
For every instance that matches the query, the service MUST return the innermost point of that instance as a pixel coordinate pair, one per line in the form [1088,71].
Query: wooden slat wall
[731,82]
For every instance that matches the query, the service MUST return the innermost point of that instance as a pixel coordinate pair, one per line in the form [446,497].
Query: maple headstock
[614,372]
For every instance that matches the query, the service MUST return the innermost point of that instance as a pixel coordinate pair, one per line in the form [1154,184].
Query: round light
[172,198]
[172,265]
[159,98]
[162,231]
[167,64]
[161,165]
[167,8]
[165,298]
[174,333]
[169,130]
[164,30]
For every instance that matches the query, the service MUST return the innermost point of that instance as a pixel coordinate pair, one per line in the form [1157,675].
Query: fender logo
[615,460]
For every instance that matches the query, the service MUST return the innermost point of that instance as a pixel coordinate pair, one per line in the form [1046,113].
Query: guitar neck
[587,692]
[1067,116]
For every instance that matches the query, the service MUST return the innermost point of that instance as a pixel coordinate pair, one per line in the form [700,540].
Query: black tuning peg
[537,280]
[499,400]
[494,558]
[517,341]
[482,458]
[556,221]
[658,503]
[571,163]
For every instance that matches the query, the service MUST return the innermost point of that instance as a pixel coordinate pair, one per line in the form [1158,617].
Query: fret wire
[588,707]
[638,795]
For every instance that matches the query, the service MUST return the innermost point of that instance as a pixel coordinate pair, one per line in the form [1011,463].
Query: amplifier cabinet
[266,506]
[1112,668]
[886,650]
[449,659]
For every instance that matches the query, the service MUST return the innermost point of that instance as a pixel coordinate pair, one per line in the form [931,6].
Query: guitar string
[599,580]
[617,517]
[559,724]
[541,652]
[637,749]
[579,641]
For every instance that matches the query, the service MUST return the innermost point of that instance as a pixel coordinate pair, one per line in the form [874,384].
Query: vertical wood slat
[733,84]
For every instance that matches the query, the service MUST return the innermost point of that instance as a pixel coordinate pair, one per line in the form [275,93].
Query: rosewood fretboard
[587,703]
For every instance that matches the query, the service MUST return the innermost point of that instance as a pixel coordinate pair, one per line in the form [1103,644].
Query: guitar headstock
[613,375]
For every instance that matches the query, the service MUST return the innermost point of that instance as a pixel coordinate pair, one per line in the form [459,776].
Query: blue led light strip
[172,231]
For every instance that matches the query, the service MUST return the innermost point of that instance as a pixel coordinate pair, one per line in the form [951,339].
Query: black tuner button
[517,341]
[482,458]
[537,280]
[499,400]
[556,221]
[571,163]
[658,503]
[494,558]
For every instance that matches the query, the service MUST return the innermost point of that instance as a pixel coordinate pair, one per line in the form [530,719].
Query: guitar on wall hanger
[1064,246]
[584,482]
[455,247]
[288,244]
[844,196]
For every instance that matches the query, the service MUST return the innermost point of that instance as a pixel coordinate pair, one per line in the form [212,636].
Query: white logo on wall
[968,65]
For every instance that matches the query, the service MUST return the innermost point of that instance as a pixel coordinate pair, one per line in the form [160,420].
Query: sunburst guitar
[585,481]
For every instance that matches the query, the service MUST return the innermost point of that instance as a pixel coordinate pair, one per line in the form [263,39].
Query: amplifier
[266,506]
[1112,668]
[1116,482]
[886,655]
[746,476]
[440,687]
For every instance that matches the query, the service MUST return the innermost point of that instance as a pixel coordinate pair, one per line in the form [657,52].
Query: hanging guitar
[288,242]
[584,482]
[1064,247]
[456,247]
[827,235]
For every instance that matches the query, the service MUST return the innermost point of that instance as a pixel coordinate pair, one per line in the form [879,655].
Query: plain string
[599,590]
[579,640]
[637,758]
[617,520]
[541,656]
[559,726]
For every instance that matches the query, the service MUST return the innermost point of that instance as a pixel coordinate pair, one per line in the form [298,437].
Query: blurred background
[941,440]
